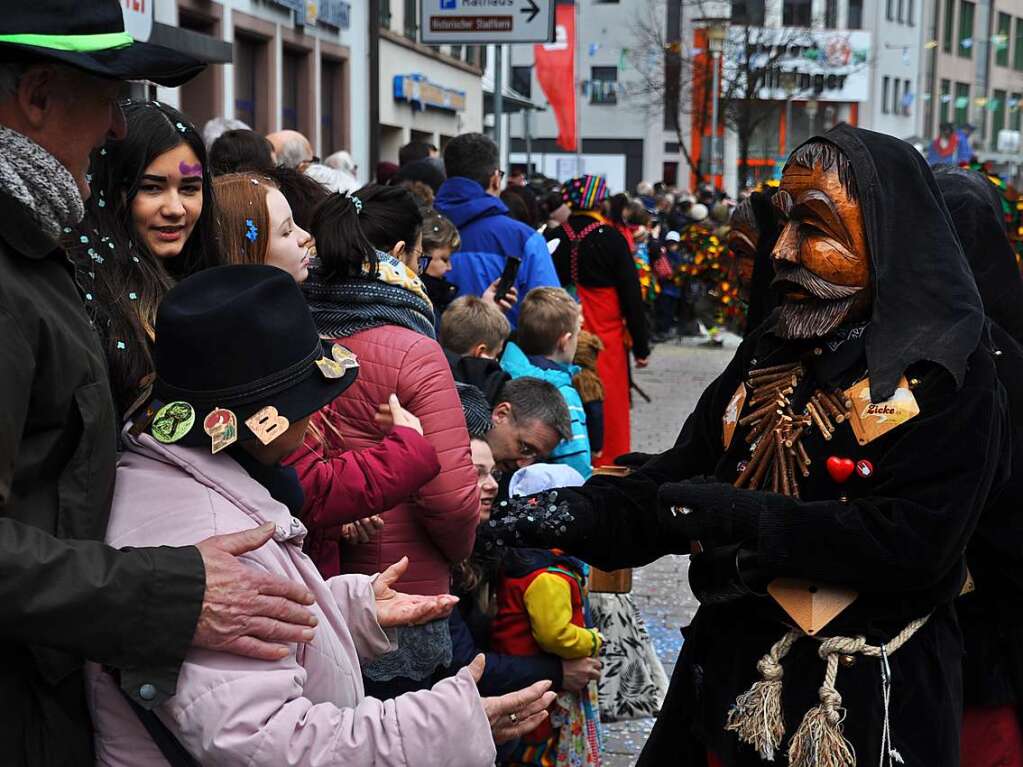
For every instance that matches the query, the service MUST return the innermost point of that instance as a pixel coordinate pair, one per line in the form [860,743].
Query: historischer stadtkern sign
[476,22]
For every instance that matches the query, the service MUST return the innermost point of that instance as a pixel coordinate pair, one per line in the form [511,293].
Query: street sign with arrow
[478,22]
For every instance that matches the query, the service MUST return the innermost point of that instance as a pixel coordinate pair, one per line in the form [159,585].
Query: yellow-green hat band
[76,43]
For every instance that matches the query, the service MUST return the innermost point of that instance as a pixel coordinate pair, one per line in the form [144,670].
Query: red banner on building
[555,70]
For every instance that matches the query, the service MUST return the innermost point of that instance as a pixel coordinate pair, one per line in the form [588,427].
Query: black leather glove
[551,519]
[703,509]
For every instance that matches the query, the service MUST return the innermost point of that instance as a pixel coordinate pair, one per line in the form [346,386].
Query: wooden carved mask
[743,239]
[821,259]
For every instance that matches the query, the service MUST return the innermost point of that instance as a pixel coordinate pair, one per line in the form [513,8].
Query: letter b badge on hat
[267,424]
[238,344]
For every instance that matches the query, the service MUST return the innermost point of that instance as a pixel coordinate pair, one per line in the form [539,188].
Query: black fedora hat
[237,351]
[89,35]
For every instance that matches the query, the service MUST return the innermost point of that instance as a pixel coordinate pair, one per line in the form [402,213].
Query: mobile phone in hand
[511,271]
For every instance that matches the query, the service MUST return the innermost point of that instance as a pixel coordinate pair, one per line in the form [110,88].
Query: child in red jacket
[542,606]
[346,490]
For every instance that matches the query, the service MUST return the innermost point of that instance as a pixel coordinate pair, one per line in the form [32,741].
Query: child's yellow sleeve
[548,601]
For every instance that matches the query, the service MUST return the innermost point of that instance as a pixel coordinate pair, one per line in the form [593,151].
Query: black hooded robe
[898,540]
[762,298]
[990,617]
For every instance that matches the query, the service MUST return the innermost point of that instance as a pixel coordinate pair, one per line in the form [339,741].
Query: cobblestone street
[674,381]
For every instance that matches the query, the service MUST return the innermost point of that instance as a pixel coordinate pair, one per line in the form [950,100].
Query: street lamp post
[717,32]
[788,84]
[811,114]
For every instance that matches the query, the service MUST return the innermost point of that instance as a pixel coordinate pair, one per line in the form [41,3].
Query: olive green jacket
[66,596]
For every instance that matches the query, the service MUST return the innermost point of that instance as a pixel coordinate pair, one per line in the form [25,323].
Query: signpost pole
[715,169]
[577,85]
[526,131]
[499,98]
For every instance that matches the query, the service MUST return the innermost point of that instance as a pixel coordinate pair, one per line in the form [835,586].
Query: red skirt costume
[595,259]
[603,316]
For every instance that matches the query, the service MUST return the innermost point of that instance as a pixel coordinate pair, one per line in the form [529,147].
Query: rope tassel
[758,720]
[819,741]
[757,717]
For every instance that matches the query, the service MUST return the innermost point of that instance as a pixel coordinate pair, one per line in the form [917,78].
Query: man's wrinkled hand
[245,611]
[397,609]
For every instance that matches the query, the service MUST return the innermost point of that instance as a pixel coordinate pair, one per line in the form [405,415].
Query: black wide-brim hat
[240,338]
[89,35]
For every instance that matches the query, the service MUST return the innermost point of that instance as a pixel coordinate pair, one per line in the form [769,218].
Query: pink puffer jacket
[437,526]
[307,709]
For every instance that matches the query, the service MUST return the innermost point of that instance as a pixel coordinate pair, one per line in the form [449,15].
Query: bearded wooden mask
[821,259]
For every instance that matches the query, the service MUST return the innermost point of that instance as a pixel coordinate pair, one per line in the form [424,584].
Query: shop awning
[203,47]
[513,100]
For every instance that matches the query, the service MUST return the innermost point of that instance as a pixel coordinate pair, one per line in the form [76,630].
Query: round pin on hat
[172,422]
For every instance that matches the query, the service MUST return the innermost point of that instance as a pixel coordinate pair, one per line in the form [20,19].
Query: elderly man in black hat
[66,596]
[826,486]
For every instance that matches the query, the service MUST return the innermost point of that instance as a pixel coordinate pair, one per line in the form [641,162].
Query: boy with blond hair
[548,333]
[473,333]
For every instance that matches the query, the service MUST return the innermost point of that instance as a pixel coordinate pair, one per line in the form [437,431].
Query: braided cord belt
[757,716]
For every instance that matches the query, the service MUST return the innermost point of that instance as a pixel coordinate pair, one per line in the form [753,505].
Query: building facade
[293,64]
[426,93]
[813,63]
[899,47]
[817,63]
[973,74]
[621,138]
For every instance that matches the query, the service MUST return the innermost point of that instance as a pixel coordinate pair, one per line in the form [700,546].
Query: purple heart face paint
[190,170]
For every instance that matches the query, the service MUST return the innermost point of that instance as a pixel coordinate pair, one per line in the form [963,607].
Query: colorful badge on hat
[267,424]
[222,427]
[172,422]
[343,360]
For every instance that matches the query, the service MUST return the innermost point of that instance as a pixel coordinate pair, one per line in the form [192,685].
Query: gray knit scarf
[342,308]
[36,178]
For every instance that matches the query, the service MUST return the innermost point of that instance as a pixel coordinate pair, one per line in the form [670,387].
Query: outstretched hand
[517,713]
[247,612]
[551,519]
[362,530]
[390,414]
[703,508]
[397,609]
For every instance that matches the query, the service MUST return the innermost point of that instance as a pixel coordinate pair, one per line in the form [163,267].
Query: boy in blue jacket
[549,325]
[489,235]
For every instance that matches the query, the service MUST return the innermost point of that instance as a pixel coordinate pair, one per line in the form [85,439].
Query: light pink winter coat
[308,709]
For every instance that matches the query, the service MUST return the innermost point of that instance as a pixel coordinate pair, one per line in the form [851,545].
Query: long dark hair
[124,283]
[616,207]
[350,229]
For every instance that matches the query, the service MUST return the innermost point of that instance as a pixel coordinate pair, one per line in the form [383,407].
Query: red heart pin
[840,469]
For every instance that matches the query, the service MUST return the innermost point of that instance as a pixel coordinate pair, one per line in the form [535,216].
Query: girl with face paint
[148,223]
